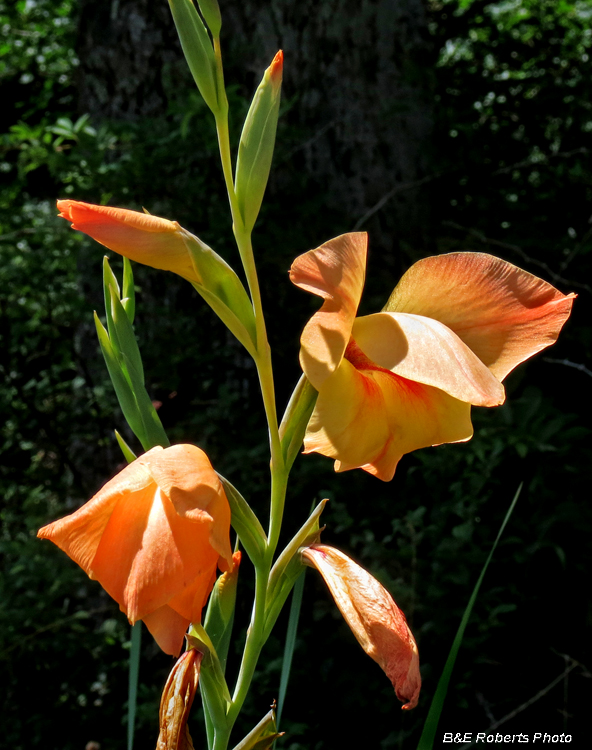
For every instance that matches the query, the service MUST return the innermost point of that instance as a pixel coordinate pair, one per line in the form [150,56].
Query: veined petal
[367,417]
[79,534]
[378,624]
[147,239]
[334,271]
[426,351]
[167,627]
[186,476]
[504,314]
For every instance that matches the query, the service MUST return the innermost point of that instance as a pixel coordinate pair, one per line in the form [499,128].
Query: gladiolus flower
[175,703]
[405,378]
[153,537]
[147,239]
[378,624]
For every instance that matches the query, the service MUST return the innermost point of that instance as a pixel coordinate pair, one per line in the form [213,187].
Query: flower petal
[334,271]
[426,351]
[168,629]
[147,239]
[378,624]
[79,534]
[367,417]
[504,314]
[184,473]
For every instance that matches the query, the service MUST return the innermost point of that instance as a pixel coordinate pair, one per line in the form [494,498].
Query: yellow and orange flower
[405,378]
[147,239]
[153,537]
[378,624]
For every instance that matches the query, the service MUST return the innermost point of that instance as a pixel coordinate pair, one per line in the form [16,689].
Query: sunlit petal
[367,417]
[504,314]
[147,239]
[426,351]
[334,271]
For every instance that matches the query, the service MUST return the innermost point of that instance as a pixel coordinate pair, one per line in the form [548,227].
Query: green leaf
[426,741]
[245,523]
[154,433]
[126,337]
[134,671]
[121,384]
[290,642]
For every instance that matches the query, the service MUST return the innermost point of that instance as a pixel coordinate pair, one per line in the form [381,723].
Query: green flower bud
[255,150]
[197,49]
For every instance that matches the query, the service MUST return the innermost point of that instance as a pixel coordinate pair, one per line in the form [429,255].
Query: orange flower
[147,239]
[378,624]
[405,378]
[176,701]
[153,537]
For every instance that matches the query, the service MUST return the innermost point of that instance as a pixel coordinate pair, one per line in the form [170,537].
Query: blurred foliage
[512,176]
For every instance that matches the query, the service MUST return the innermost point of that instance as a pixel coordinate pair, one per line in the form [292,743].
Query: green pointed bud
[210,10]
[263,735]
[220,613]
[257,141]
[197,49]
[128,453]
[128,293]
[288,567]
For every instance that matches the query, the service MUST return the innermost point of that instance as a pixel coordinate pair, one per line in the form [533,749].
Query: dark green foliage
[511,176]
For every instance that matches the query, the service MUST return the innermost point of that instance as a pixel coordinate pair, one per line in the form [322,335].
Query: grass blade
[290,644]
[134,670]
[426,741]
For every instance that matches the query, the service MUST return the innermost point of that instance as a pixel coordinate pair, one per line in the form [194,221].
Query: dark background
[435,126]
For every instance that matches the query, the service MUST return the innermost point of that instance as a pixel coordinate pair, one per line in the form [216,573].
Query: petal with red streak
[334,271]
[367,417]
[426,351]
[504,314]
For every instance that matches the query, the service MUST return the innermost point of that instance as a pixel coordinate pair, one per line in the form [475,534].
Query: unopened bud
[255,150]
[210,10]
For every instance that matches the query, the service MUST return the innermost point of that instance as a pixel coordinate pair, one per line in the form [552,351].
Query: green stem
[279,475]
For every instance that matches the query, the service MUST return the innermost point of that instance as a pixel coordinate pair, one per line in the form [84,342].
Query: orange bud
[147,239]
[176,701]
[378,624]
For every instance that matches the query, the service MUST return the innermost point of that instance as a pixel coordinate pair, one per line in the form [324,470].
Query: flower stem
[279,473]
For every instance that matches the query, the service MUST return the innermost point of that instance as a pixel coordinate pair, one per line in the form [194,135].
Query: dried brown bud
[176,701]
